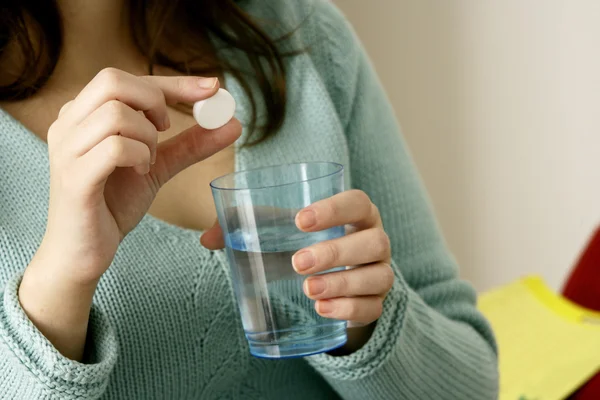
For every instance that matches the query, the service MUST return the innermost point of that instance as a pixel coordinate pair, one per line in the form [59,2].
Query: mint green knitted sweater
[164,324]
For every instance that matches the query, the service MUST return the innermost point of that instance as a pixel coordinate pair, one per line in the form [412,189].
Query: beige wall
[500,103]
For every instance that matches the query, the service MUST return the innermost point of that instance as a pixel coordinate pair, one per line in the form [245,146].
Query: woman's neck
[96,35]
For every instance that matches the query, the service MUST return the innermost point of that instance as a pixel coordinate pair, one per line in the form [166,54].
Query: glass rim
[338,168]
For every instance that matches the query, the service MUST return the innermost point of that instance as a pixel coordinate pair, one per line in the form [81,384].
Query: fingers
[112,118]
[212,239]
[184,89]
[112,104]
[113,84]
[362,247]
[191,146]
[113,152]
[356,294]
[365,309]
[147,94]
[351,207]
[374,279]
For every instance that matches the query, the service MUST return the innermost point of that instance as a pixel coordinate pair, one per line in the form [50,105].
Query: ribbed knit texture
[164,324]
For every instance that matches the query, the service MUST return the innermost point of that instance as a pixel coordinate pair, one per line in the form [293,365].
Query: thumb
[191,146]
[212,239]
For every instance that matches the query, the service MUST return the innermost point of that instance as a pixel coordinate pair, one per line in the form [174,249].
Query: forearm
[58,306]
[32,368]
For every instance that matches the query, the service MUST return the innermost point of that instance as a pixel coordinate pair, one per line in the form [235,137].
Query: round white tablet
[215,111]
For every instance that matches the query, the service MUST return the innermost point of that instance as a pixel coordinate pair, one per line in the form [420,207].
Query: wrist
[357,338]
[51,274]
[44,289]
[59,307]
[44,279]
[71,265]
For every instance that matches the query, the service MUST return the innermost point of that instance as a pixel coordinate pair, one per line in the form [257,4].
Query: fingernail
[166,122]
[207,83]
[315,286]
[303,260]
[324,307]
[153,158]
[307,219]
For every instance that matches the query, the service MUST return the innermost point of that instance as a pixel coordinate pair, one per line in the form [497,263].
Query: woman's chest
[173,309]
[178,327]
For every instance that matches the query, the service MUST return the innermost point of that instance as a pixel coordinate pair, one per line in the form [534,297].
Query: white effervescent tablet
[215,111]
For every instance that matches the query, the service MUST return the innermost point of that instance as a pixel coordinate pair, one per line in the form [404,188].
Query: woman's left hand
[355,294]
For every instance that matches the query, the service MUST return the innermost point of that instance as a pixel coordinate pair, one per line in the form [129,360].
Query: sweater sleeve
[431,342]
[31,368]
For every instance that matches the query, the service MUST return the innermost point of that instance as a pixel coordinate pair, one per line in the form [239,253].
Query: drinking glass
[257,210]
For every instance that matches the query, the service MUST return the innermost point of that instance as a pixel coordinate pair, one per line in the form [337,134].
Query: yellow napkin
[548,346]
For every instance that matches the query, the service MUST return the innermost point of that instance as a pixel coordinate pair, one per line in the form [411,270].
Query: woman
[104,193]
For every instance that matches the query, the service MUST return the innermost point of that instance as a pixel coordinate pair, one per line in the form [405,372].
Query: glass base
[304,346]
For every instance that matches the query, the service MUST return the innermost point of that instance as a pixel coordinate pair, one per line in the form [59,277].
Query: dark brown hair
[33,28]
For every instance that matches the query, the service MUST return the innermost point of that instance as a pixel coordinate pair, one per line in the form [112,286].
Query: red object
[583,288]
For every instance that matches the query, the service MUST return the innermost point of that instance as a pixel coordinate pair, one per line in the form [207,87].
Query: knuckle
[146,153]
[181,83]
[342,284]
[114,148]
[331,253]
[116,111]
[375,210]
[155,94]
[152,133]
[388,277]
[158,95]
[361,197]
[110,77]
[108,73]
[331,210]
[382,243]
[362,203]
[352,309]
[364,196]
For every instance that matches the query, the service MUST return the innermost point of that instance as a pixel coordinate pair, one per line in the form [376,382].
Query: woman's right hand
[106,167]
